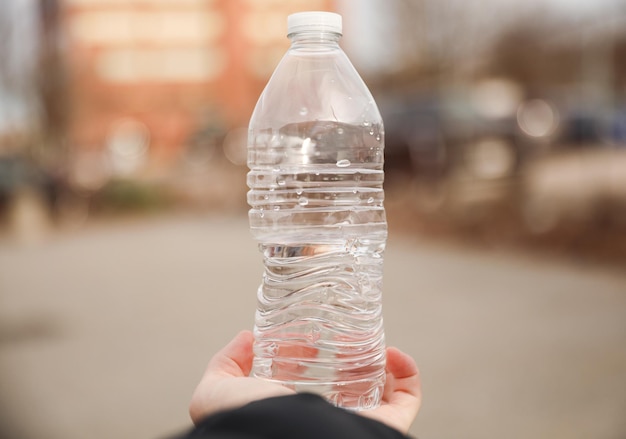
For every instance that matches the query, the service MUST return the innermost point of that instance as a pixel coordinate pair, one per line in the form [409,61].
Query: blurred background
[123,129]
[506,123]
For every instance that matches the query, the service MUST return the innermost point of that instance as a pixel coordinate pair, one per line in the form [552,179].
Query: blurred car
[414,138]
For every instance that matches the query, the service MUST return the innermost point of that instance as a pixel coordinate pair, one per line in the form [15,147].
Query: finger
[235,359]
[401,365]
[403,387]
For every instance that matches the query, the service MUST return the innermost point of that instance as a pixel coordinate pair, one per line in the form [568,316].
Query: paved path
[105,332]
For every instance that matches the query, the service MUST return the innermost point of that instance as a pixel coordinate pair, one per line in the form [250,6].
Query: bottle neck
[314,39]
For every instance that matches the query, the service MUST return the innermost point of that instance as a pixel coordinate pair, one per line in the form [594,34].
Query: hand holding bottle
[226,385]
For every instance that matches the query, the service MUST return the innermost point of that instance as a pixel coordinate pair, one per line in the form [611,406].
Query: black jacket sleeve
[300,416]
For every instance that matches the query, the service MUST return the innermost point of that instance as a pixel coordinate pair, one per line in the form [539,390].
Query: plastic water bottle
[315,153]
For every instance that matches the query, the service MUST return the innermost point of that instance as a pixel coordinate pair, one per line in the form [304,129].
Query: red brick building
[164,69]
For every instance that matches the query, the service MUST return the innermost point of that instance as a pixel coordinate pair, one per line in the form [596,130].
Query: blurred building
[147,77]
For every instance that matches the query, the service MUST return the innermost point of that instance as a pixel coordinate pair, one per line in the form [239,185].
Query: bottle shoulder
[315,85]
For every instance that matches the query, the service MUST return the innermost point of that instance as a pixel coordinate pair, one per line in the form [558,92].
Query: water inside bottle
[317,213]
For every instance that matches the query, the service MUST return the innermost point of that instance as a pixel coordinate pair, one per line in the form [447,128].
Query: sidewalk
[105,332]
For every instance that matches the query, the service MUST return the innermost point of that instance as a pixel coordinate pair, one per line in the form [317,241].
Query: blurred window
[165,27]
[138,2]
[295,4]
[264,28]
[129,65]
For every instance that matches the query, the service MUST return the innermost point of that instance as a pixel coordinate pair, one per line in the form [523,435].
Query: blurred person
[228,403]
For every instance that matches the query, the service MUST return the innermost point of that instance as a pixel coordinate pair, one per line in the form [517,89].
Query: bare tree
[51,85]
[32,82]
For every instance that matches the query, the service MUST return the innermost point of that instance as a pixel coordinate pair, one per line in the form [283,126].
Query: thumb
[234,359]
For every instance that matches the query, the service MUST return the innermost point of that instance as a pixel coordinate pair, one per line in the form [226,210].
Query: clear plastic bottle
[315,153]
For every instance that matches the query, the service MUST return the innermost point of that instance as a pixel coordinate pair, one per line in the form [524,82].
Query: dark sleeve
[301,416]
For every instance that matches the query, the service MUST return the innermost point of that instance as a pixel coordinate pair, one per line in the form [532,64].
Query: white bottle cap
[314,21]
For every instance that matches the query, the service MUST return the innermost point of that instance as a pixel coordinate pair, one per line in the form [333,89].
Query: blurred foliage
[131,196]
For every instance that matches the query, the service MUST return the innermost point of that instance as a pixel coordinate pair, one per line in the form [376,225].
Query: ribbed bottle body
[315,153]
